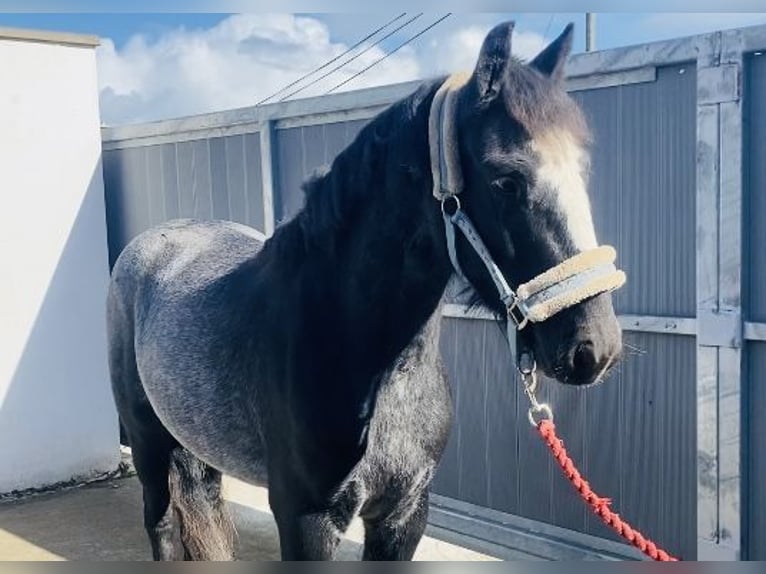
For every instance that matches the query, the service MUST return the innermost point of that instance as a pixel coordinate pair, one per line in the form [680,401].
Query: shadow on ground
[104,522]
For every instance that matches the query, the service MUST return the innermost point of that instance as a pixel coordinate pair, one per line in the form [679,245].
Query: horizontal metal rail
[634,323]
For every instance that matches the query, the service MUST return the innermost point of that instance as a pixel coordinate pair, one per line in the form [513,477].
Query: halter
[584,275]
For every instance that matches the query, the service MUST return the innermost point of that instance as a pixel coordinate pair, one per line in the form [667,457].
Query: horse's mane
[396,139]
[333,193]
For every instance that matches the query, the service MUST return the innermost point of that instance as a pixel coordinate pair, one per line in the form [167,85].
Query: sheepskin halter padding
[573,280]
[584,275]
[442,136]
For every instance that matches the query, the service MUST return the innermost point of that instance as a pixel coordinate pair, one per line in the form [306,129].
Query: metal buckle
[519,318]
[527,364]
[453,197]
[538,411]
[546,414]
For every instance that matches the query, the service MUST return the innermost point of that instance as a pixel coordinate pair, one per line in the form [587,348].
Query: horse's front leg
[311,529]
[304,533]
[311,536]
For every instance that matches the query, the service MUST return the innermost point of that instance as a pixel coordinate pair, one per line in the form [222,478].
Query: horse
[308,362]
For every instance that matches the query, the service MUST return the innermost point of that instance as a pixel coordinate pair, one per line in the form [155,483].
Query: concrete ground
[103,521]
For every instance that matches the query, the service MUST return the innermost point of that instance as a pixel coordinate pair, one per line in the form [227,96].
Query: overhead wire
[332,60]
[391,53]
[336,68]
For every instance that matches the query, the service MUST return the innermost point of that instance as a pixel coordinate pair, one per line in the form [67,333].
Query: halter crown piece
[573,280]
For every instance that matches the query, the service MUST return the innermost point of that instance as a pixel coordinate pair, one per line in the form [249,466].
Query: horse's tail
[207,530]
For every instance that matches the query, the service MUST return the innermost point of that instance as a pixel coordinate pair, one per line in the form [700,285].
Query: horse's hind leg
[207,532]
[175,483]
[151,459]
[150,443]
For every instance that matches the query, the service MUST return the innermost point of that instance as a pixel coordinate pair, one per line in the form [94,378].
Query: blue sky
[613,29]
[119,27]
[159,65]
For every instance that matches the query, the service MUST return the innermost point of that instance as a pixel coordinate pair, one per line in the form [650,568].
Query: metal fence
[678,181]
[754,379]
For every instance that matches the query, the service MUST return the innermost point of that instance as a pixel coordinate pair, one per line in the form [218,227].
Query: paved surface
[103,521]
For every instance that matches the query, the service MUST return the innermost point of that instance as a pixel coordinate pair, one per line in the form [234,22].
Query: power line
[338,67]
[335,59]
[378,61]
[367,49]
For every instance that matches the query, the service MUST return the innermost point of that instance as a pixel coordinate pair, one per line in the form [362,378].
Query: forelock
[541,106]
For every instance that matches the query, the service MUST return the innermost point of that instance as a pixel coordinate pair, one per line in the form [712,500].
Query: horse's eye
[514,184]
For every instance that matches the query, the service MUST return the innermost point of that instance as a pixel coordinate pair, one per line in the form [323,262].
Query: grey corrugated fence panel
[632,436]
[756,177]
[299,152]
[755,430]
[216,177]
[643,186]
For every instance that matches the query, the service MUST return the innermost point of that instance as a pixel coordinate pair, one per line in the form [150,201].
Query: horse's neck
[388,267]
[399,258]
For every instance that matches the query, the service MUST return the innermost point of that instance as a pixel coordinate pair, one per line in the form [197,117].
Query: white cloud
[249,56]
[234,64]
[459,50]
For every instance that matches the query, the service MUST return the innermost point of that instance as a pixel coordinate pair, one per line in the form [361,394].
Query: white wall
[57,420]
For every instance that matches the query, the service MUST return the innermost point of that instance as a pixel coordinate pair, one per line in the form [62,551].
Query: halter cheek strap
[445,159]
[585,275]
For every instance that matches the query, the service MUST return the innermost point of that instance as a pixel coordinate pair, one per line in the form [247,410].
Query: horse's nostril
[584,360]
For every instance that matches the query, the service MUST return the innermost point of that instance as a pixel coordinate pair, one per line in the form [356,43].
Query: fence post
[267,174]
[719,297]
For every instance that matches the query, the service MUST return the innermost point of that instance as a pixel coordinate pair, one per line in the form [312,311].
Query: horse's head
[524,163]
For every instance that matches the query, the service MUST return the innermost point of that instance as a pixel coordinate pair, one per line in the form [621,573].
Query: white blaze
[562,163]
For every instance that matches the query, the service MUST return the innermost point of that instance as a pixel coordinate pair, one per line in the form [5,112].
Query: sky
[155,66]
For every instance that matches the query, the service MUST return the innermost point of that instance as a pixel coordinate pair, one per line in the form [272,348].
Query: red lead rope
[600,506]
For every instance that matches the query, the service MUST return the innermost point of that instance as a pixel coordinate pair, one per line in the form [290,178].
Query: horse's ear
[552,59]
[493,58]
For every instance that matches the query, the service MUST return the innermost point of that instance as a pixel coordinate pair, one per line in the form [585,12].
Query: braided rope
[599,505]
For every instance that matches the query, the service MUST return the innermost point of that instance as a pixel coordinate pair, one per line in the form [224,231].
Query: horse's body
[189,297]
[310,363]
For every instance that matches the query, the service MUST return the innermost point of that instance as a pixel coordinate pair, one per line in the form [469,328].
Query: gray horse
[309,362]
